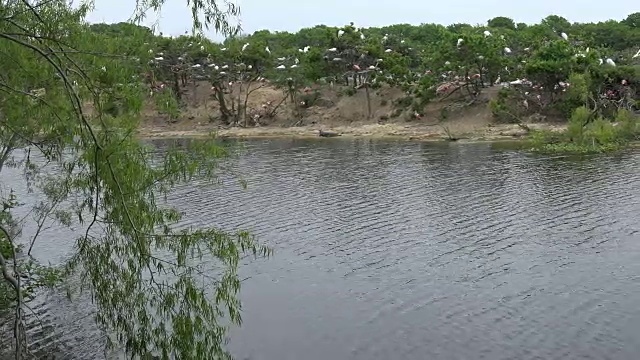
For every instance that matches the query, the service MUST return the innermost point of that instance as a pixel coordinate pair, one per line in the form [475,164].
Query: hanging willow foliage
[58,91]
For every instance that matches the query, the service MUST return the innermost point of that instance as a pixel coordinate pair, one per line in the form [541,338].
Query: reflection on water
[396,250]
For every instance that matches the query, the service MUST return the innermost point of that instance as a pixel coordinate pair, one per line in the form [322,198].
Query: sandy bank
[489,132]
[346,115]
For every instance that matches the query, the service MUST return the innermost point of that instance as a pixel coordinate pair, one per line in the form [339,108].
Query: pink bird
[356,67]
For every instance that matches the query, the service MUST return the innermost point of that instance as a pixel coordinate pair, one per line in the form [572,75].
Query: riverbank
[450,117]
[489,132]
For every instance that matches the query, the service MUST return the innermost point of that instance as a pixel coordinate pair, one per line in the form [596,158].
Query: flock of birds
[363,63]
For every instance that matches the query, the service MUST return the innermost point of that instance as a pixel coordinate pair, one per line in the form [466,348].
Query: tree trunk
[176,87]
[366,91]
[224,110]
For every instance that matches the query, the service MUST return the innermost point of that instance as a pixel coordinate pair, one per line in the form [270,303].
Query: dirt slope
[335,111]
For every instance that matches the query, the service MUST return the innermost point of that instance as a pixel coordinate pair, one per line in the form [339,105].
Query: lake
[407,250]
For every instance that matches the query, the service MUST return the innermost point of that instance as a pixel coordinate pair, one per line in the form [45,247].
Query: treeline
[540,66]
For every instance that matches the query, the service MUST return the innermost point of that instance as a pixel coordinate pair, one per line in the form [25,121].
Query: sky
[292,15]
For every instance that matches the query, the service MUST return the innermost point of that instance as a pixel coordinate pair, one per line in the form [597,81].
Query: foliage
[584,135]
[429,62]
[70,101]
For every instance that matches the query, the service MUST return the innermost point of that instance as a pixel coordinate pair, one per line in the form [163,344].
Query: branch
[14,281]
[10,17]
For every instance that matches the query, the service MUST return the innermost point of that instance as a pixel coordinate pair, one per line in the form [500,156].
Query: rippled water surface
[396,250]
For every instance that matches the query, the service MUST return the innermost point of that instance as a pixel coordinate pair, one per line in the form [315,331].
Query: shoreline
[493,132]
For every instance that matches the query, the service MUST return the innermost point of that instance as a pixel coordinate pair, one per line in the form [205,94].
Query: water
[397,250]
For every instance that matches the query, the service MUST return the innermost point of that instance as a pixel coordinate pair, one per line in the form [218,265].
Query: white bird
[223,73]
[388,50]
[636,55]
[244,47]
[564,36]
[159,58]
[150,51]
[340,32]
[196,66]
[223,49]
[610,62]
[460,41]
[487,33]
[296,61]
[371,67]
[267,49]
[507,50]
[201,47]
[282,59]
[294,66]
[600,61]
[362,36]
[211,65]
[250,67]
[385,37]
[281,67]
[216,67]
[225,66]
[337,59]
[402,41]
[333,50]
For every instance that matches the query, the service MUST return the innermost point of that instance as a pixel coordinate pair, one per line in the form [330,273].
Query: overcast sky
[291,15]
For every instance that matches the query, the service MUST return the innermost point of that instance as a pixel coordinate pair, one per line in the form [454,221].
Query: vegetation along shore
[566,86]
[80,95]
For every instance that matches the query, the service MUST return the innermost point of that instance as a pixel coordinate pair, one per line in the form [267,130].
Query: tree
[633,20]
[557,23]
[502,22]
[56,107]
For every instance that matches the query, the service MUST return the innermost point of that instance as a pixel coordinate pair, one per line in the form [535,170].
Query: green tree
[633,20]
[502,22]
[557,23]
[139,266]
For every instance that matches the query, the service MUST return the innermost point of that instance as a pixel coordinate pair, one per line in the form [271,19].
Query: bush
[501,107]
[586,134]
[310,98]
[403,102]
[349,91]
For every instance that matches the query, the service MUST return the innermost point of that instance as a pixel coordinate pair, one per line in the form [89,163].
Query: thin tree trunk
[366,90]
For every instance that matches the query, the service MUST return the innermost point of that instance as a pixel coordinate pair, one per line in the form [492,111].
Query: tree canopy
[427,61]
[69,104]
